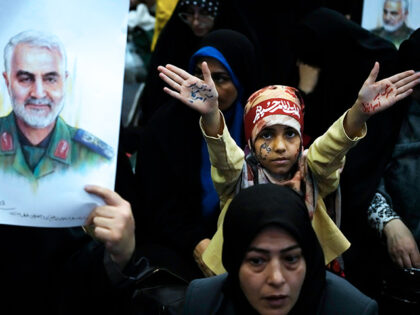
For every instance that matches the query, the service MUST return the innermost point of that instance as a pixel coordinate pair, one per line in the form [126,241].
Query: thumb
[373,74]
[206,72]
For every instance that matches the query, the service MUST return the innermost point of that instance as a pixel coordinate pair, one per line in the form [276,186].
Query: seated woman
[273,132]
[275,263]
[179,204]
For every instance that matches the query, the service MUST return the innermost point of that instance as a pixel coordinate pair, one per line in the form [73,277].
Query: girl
[273,132]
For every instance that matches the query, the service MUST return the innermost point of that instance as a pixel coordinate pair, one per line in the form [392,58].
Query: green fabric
[32,155]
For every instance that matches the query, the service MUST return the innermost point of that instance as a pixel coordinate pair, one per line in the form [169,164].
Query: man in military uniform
[394,18]
[34,140]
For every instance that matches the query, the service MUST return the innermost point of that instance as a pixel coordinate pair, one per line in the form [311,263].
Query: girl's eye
[290,133]
[266,135]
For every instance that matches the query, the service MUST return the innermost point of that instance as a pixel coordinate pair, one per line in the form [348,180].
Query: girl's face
[277,149]
[224,85]
[272,272]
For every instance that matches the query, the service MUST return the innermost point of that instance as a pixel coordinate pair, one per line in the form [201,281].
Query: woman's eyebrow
[265,251]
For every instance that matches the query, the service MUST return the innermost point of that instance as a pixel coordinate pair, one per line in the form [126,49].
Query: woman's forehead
[213,63]
[274,238]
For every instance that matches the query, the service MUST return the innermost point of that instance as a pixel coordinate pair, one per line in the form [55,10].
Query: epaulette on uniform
[93,143]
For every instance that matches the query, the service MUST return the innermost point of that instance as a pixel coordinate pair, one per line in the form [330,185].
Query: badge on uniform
[6,142]
[62,149]
[94,143]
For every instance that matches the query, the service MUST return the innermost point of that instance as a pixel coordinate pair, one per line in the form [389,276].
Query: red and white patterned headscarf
[272,105]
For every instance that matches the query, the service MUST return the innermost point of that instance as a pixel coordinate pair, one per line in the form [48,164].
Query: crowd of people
[271,167]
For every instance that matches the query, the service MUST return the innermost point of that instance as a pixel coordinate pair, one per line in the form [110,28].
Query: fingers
[406,261]
[415,258]
[180,72]
[403,95]
[170,74]
[109,196]
[173,84]
[102,211]
[399,76]
[398,261]
[410,80]
[373,74]
[103,234]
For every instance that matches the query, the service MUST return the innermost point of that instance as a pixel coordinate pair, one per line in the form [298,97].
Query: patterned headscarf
[272,105]
[211,6]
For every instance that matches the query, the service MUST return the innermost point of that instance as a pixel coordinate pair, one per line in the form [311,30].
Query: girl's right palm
[200,95]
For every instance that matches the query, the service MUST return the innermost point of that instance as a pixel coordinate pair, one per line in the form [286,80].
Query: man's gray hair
[33,39]
[404,4]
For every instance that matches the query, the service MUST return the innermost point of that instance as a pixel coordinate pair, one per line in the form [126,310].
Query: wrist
[212,123]
[388,226]
[354,121]
[359,112]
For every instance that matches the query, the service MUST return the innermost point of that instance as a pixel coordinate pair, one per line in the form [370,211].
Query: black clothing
[255,208]
[346,53]
[55,271]
[205,296]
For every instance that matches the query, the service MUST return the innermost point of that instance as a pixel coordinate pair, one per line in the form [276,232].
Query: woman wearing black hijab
[274,261]
[178,206]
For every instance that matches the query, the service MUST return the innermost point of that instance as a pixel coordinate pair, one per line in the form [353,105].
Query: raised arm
[200,95]
[375,97]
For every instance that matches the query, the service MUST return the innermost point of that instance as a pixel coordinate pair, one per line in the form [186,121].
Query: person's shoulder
[90,142]
[341,297]
[204,295]
[215,282]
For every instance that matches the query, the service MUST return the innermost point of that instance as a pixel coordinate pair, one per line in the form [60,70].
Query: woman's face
[277,149]
[198,19]
[224,85]
[272,272]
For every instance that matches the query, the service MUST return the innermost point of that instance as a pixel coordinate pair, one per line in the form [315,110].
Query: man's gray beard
[31,118]
[393,28]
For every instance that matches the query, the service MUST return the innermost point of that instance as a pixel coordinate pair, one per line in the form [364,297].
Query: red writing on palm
[370,107]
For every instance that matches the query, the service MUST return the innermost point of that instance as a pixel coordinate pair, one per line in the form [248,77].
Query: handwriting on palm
[200,95]
[378,96]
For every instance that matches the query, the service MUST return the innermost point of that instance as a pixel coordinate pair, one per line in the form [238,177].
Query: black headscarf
[409,52]
[346,53]
[255,208]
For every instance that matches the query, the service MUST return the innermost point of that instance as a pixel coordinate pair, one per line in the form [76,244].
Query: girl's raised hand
[375,97]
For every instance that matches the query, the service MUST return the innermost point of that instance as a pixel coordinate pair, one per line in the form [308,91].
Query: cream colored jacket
[326,157]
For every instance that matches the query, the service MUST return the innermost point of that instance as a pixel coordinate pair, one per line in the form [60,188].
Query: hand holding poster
[60,105]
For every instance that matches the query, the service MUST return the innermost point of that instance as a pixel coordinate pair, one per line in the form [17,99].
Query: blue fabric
[233,117]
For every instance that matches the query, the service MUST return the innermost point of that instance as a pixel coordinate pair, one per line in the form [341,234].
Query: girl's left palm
[375,97]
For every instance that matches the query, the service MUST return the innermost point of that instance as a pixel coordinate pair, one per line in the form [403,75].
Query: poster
[393,20]
[60,104]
